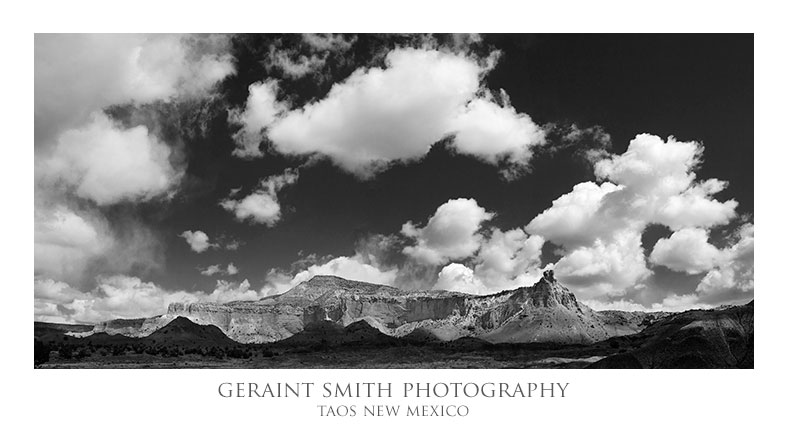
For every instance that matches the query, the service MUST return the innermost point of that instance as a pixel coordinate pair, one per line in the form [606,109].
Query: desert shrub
[239,353]
[217,352]
[82,353]
[65,351]
[40,352]
[173,352]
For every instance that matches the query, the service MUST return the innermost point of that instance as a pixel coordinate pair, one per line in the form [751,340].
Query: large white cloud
[600,227]
[75,244]
[658,184]
[380,115]
[467,258]
[728,279]
[607,267]
[695,208]
[78,74]
[107,163]
[508,259]
[575,218]
[652,165]
[262,205]
[121,296]
[686,250]
[84,158]
[495,132]
[451,233]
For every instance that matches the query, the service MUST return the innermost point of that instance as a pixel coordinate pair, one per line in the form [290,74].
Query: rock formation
[544,312]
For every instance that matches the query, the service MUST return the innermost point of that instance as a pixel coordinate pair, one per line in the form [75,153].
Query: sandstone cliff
[544,312]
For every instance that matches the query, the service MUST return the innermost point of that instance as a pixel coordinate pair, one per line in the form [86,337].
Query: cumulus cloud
[197,240]
[686,250]
[113,297]
[728,279]
[86,160]
[78,74]
[232,269]
[451,233]
[107,163]
[380,115]
[454,252]
[261,206]
[694,207]
[226,291]
[599,227]
[459,278]
[573,219]
[509,259]
[123,297]
[73,245]
[216,269]
[396,113]
[609,266]
[734,273]
[495,132]
[260,111]
[55,291]
[65,242]
[659,185]
[650,164]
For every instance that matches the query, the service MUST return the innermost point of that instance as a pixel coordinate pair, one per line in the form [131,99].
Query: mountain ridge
[546,311]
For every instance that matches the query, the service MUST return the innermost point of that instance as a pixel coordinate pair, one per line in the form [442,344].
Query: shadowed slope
[717,338]
[182,331]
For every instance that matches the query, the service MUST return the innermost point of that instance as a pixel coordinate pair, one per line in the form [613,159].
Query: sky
[231,167]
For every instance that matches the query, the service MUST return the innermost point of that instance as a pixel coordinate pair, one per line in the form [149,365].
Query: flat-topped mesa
[544,312]
[321,285]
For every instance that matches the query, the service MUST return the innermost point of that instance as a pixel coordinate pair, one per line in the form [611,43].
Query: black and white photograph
[347,201]
[411,215]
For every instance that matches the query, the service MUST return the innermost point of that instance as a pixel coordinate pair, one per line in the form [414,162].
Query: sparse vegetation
[661,344]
